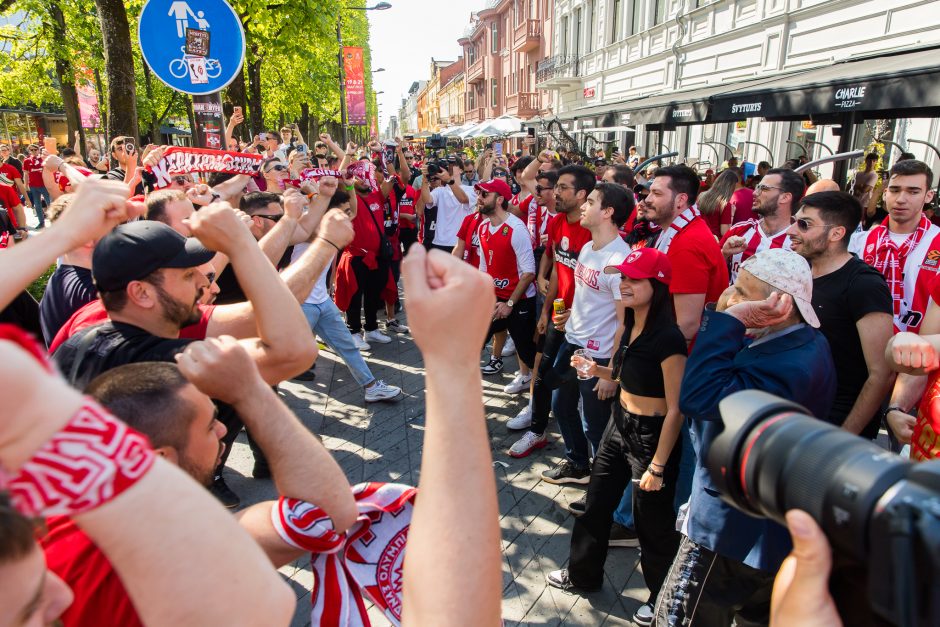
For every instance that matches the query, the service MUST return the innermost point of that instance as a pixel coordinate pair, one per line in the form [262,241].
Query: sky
[405,37]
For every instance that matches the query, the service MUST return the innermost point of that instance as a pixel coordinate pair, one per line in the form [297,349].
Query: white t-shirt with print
[450,213]
[593,320]
[319,294]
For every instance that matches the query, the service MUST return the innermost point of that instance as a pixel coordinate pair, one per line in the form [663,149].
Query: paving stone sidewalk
[383,442]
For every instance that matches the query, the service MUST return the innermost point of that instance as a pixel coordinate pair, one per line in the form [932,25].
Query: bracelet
[350,188]
[657,465]
[90,461]
[658,475]
[894,408]
[338,249]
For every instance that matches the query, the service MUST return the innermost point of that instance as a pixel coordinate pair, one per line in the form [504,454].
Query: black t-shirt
[16,163]
[117,174]
[230,291]
[69,288]
[638,365]
[841,299]
[113,344]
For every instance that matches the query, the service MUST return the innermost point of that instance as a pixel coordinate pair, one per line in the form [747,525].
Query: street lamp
[381,6]
[381,69]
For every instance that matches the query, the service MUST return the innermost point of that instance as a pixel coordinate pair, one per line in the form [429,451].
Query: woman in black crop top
[642,439]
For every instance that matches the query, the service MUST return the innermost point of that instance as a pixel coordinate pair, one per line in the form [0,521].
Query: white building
[408,114]
[766,77]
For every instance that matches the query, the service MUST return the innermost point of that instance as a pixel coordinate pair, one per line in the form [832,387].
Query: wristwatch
[451,182]
[510,302]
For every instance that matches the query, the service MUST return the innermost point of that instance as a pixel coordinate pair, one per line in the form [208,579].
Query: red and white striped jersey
[757,241]
[506,254]
[919,270]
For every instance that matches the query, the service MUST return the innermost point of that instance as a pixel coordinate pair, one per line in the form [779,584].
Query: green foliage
[296,40]
[38,287]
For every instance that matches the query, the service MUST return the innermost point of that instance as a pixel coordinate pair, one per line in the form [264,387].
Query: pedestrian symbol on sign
[181,11]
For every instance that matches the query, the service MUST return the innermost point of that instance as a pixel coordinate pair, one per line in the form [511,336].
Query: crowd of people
[634,300]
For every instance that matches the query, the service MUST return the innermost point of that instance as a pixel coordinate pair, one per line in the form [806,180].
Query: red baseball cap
[644,263]
[499,186]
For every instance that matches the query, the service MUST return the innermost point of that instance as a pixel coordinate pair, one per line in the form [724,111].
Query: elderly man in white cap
[761,336]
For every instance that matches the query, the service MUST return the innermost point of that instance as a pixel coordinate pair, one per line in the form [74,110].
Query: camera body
[436,142]
[877,509]
[438,166]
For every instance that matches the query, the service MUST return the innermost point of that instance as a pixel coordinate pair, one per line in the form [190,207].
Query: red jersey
[912,295]
[698,265]
[8,200]
[390,224]
[32,167]
[757,241]
[740,208]
[406,206]
[468,233]
[10,172]
[565,241]
[100,597]
[366,239]
[506,254]
[94,313]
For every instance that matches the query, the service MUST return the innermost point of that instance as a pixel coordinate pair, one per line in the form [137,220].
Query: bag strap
[81,351]
[381,230]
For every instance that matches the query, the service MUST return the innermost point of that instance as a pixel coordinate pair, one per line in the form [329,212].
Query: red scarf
[681,221]
[890,258]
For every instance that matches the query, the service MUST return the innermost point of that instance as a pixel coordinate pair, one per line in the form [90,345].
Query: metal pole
[810,141]
[929,145]
[714,150]
[798,145]
[842,156]
[342,81]
[665,155]
[895,144]
[769,151]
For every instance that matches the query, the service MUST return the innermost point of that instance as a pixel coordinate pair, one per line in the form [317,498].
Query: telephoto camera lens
[877,509]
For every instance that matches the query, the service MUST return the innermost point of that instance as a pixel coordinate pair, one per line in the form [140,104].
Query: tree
[119,68]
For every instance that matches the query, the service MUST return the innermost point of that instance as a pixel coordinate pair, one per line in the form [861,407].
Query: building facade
[451,97]
[408,114]
[629,67]
[502,48]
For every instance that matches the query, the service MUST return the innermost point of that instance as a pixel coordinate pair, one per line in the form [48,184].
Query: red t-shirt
[698,265]
[740,208]
[406,206]
[94,313]
[10,172]
[8,200]
[468,233]
[366,239]
[565,241]
[100,597]
[32,166]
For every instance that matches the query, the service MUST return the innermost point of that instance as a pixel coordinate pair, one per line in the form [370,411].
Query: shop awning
[902,84]
[173,130]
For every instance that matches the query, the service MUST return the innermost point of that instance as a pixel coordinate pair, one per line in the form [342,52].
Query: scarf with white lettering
[678,224]
[364,563]
[890,258]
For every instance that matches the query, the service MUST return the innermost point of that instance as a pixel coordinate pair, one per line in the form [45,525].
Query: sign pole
[342,81]
[209,131]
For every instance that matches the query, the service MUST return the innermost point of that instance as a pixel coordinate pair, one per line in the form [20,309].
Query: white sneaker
[523,419]
[509,348]
[381,391]
[377,336]
[360,343]
[528,443]
[518,384]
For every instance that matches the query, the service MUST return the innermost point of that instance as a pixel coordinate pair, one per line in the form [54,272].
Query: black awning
[899,84]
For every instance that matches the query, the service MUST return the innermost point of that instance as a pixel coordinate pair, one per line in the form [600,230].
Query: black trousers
[407,237]
[705,589]
[627,448]
[369,295]
[547,379]
[521,326]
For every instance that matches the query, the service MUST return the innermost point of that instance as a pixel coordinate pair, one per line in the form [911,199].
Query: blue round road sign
[194,46]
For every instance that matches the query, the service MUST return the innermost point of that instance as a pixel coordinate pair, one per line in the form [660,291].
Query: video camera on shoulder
[436,167]
[877,509]
[436,142]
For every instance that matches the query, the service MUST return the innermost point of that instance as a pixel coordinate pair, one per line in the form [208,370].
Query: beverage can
[559,305]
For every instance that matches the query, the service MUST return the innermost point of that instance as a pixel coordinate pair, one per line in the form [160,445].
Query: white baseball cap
[789,273]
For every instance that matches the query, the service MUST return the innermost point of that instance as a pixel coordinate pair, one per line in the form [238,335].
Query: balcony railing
[524,104]
[560,66]
[475,71]
[527,35]
[474,115]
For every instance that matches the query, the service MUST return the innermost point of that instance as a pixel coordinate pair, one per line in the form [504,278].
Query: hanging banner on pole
[209,124]
[87,98]
[355,86]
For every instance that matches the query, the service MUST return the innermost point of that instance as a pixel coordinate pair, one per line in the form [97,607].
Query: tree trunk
[254,93]
[103,110]
[304,124]
[119,68]
[154,131]
[194,141]
[235,97]
[65,74]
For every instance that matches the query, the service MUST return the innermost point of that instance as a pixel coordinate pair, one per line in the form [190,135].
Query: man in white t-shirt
[327,323]
[453,201]
[594,323]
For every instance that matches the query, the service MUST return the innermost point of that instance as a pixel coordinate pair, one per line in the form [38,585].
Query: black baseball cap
[134,250]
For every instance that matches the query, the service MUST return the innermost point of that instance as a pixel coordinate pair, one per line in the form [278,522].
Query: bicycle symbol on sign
[200,69]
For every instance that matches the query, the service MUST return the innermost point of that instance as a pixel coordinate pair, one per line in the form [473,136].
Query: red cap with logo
[644,263]
[498,186]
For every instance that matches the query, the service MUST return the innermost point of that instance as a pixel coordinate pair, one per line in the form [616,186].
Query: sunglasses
[211,278]
[539,189]
[272,218]
[277,168]
[804,225]
[502,175]
[761,187]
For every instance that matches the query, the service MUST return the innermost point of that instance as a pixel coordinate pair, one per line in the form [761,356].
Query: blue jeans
[327,322]
[36,196]
[578,429]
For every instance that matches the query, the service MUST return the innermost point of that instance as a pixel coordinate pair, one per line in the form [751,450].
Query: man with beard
[150,284]
[506,255]
[853,304]
[775,198]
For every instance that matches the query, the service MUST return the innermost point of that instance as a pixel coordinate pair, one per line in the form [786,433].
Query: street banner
[196,47]
[210,126]
[355,86]
[185,160]
[88,109]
